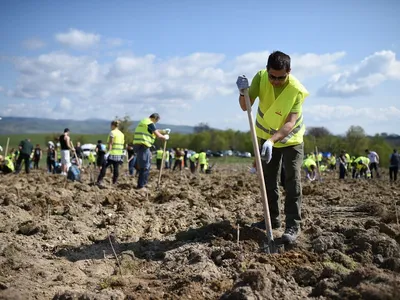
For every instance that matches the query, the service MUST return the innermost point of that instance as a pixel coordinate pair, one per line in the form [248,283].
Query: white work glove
[106,155]
[166,137]
[242,83]
[253,170]
[266,151]
[167,130]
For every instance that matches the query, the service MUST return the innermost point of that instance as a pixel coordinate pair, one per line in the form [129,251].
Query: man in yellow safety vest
[202,160]
[145,136]
[280,130]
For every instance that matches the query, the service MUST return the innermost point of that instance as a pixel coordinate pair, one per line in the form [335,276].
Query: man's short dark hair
[278,60]
[155,116]
[66,130]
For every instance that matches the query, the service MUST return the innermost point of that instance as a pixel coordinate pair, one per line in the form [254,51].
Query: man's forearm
[158,134]
[282,132]
[242,102]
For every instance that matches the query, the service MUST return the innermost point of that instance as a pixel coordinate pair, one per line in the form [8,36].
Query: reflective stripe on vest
[272,113]
[299,125]
[118,142]
[142,135]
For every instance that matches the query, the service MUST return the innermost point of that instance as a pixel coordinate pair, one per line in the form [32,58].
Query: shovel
[162,164]
[269,246]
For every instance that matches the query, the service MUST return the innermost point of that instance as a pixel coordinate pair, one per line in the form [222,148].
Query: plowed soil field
[191,239]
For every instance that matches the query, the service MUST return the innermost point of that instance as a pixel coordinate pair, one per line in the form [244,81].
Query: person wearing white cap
[51,158]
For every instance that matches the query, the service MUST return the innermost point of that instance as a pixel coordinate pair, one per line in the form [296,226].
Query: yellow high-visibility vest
[308,162]
[364,159]
[272,113]
[194,157]
[118,142]
[142,135]
[9,163]
[159,154]
[202,158]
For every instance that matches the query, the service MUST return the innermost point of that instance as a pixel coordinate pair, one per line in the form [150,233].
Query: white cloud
[362,78]
[115,42]
[303,65]
[342,112]
[78,39]
[65,105]
[136,85]
[33,44]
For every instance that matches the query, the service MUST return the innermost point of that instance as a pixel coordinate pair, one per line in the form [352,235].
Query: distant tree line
[355,141]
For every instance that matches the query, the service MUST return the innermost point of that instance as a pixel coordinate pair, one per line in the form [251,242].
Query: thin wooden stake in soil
[238,234]
[48,214]
[162,164]
[318,165]
[115,254]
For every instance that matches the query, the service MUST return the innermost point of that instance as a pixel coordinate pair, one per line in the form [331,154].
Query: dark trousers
[5,169]
[374,166]
[192,167]
[292,158]
[143,160]
[131,165]
[202,168]
[393,173]
[283,175]
[159,161]
[115,167]
[361,173]
[26,158]
[51,166]
[342,171]
[178,163]
[36,161]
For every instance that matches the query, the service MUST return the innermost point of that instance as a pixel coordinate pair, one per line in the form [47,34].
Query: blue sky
[98,59]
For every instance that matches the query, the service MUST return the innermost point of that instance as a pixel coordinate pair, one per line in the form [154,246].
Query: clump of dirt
[191,239]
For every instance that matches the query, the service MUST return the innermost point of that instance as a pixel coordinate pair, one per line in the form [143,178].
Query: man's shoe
[290,235]
[261,225]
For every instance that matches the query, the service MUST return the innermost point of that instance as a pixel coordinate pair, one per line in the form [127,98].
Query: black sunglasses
[277,78]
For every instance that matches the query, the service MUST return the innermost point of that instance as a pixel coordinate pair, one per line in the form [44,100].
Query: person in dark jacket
[394,165]
[25,151]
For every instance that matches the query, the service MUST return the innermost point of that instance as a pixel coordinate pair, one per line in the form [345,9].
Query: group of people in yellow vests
[145,136]
[354,166]
[195,159]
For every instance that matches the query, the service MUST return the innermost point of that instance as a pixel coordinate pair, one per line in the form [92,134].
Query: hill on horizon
[28,125]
